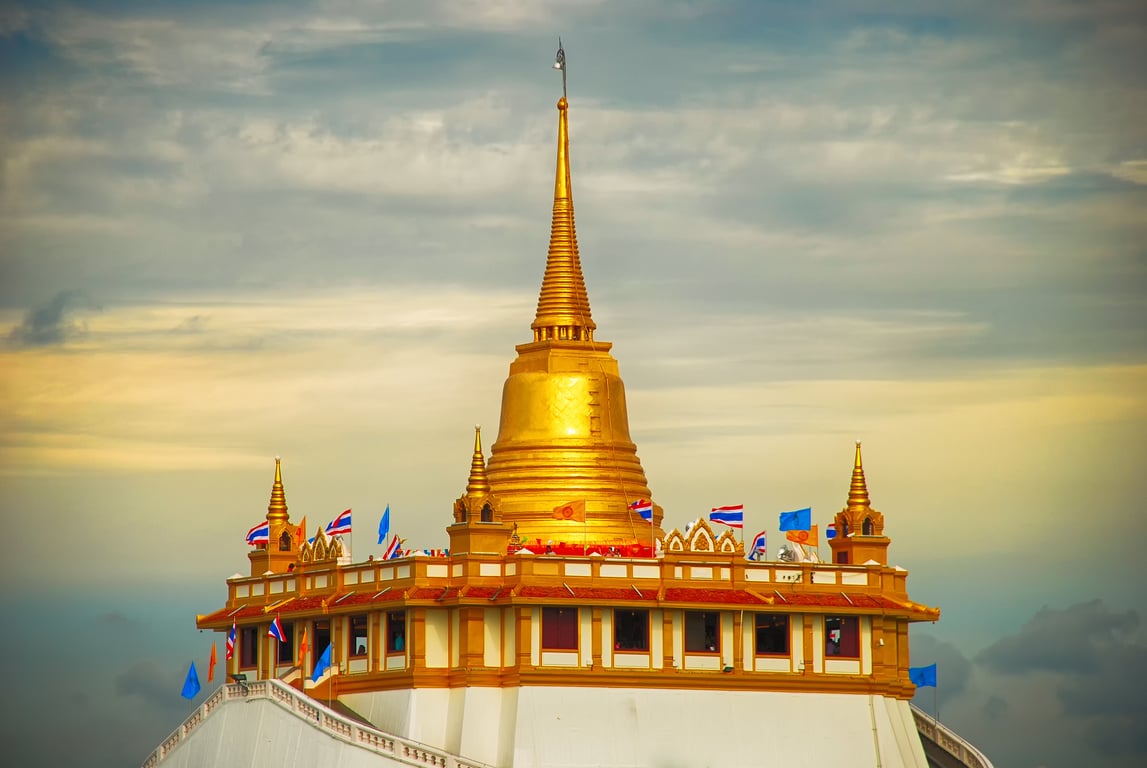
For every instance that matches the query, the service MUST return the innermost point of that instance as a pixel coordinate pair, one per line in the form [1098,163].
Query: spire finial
[858,491]
[478,483]
[277,509]
[563,306]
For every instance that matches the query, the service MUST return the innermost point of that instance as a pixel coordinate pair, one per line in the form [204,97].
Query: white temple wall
[583,727]
[657,642]
[509,635]
[455,642]
[865,645]
[491,637]
[437,637]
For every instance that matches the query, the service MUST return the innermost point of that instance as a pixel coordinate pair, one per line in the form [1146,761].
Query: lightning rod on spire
[560,63]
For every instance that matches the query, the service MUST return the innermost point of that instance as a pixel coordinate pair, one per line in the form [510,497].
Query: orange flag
[301,532]
[211,664]
[303,646]
[808,538]
[574,510]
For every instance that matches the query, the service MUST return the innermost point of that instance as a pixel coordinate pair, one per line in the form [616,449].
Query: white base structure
[539,727]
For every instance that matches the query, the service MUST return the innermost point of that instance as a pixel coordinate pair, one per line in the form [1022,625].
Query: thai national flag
[231,643]
[276,631]
[733,516]
[643,507]
[392,549]
[260,534]
[830,531]
[340,524]
[760,549]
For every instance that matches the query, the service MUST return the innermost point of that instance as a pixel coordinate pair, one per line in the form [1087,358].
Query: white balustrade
[949,741]
[277,692]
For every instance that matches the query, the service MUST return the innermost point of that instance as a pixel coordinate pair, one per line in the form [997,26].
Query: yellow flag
[574,510]
[301,532]
[303,646]
[211,664]
[808,538]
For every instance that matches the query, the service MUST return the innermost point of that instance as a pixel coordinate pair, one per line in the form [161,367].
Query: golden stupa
[564,432]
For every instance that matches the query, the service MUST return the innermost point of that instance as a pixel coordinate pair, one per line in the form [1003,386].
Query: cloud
[954,671]
[156,684]
[52,323]
[1079,640]
[1066,689]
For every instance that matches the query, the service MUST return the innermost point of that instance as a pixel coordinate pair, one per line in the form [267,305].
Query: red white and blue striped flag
[643,507]
[733,516]
[760,548]
[392,549]
[276,631]
[231,642]
[340,524]
[260,534]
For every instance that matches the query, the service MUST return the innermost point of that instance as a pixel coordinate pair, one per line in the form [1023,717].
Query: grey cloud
[156,685]
[995,707]
[1076,640]
[954,671]
[53,322]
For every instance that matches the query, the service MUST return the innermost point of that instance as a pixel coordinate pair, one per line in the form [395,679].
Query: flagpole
[585,513]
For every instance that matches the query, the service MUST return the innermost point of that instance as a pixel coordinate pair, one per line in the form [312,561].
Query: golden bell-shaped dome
[564,432]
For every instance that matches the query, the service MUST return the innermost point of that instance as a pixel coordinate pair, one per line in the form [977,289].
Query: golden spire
[277,509]
[858,491]
[563,306]
[478,483]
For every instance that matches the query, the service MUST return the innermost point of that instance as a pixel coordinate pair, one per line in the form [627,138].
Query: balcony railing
[305,708]
[949,741]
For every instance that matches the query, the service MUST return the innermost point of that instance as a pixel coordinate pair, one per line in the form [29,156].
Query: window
[842,558]
[866,527]
[285,653]
[322,639]
[702,632]
[487,513]
[842,637]
[248,647]
[285,542]
[630,630]
[396,632]
[559,629]
[357,637]
[772,635]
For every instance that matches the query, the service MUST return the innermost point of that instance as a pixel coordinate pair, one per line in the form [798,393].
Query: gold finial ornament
[858,491]
[277,509]
[564,428]
[478,484]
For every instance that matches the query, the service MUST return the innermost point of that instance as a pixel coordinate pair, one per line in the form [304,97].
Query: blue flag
[191,684]
[800,520]
[923,676]
[322,665]
[384,525]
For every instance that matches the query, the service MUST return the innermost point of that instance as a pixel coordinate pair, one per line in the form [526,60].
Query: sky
[231,231]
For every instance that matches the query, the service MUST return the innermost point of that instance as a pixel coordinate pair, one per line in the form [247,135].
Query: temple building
[563,628]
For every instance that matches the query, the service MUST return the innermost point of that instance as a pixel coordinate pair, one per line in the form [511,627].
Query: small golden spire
[277,509]
[563,306]
[858,491]
[478,484]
